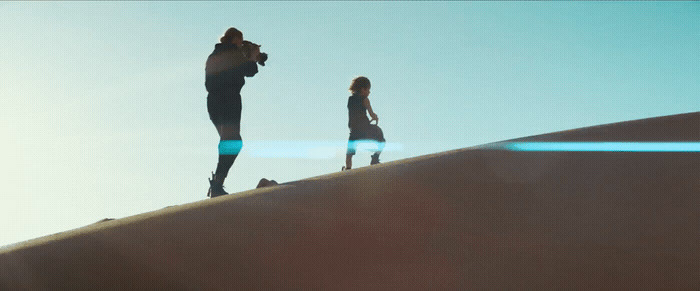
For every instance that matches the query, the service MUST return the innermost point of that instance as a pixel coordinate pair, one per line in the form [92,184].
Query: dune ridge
[469,218]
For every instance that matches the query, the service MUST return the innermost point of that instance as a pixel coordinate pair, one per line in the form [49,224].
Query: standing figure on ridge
[361,128]
[225,70]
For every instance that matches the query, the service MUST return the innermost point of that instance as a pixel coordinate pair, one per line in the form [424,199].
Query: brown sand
[466,219]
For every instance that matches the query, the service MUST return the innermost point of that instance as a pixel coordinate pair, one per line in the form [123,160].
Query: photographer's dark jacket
[226,67]
[225,71]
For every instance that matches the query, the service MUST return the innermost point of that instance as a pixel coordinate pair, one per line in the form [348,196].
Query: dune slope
[465,219]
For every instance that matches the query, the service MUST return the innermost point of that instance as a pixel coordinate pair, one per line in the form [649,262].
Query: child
[360,127]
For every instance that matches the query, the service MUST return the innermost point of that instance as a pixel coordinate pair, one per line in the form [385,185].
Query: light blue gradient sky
[102,104]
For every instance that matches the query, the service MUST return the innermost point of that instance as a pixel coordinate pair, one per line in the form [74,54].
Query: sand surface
[473,218]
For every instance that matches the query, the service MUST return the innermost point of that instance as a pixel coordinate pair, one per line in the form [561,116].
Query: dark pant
[224,107]
[225,112]
[370,133]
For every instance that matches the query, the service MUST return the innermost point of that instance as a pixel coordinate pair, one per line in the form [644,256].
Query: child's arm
[369,108]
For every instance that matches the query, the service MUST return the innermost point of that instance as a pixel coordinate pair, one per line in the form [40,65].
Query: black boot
[375,159]
[216,187]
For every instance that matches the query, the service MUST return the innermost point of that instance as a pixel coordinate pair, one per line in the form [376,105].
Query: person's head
[232,35]
[360,85]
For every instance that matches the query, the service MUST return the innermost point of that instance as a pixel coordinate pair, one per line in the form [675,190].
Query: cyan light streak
[230,147]
[299,149]
[599,146]
[331,149]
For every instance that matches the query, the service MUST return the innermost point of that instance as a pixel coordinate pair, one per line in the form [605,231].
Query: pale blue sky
[103,106]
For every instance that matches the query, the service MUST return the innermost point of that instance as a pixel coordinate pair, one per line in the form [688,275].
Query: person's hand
[374,117]
[254,53]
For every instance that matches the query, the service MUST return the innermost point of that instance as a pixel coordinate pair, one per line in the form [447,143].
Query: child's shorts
[372,132]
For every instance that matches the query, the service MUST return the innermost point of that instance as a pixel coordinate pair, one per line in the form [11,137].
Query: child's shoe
[375,159]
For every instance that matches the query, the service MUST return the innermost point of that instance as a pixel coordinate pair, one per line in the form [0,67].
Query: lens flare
[230,147]
[302,149]
[598,146]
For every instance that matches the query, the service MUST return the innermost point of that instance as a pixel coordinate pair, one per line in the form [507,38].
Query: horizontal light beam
[299,149]
[598,146]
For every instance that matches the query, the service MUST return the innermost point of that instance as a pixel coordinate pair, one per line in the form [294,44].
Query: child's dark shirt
[357,113]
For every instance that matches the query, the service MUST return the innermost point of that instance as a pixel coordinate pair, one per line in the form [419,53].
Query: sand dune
[473,218]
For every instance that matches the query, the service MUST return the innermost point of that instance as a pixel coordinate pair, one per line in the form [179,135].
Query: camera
[248,46]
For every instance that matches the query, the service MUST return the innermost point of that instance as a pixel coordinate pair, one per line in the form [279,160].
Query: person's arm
[249,68]
[367,105]
[246,66]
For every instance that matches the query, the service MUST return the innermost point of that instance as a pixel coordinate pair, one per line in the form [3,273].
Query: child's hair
[230,34]
[359,83]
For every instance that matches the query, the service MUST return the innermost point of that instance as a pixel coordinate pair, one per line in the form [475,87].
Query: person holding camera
[225,70]
[360,126]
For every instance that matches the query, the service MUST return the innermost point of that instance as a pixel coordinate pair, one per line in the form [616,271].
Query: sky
[103,106]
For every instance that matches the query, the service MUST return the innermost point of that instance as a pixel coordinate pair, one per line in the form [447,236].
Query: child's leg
[352,147]
[377,134]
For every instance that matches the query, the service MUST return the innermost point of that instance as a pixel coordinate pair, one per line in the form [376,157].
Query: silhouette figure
[225,70]
[361,128]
